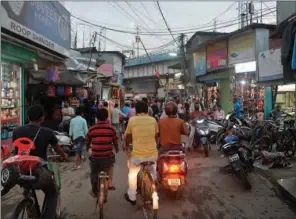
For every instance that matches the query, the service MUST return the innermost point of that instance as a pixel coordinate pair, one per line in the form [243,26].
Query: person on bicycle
[42,137]
[171,129]
[100,140]
[142,130]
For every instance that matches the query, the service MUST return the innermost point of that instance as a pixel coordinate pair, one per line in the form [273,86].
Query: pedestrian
[236,107]
[77,132]
[100,140]
[132,111]
[150,111]
[106,106]
[125,108]
[180,110]
[115,118]
[67,112]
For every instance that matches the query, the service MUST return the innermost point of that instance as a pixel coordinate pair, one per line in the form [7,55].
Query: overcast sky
[179,15]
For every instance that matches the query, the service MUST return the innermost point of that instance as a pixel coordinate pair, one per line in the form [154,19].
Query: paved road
[210,194]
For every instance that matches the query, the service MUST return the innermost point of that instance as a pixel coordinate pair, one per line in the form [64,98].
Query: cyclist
[100,140]
[42,137]
[142,130]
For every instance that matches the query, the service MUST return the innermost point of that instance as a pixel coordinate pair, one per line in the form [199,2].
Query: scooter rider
[171,129]
[42,137]
[193,115]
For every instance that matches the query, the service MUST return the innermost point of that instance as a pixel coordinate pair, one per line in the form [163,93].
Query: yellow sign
[241,49]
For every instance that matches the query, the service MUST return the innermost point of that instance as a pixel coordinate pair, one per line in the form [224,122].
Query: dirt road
[210,194]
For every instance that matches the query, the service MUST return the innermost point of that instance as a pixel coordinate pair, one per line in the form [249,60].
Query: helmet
[171,109]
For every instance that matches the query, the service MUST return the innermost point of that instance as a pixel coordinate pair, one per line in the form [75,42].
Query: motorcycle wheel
[291,149]
[66,149]
[244,177]
[206,149]
[26,205]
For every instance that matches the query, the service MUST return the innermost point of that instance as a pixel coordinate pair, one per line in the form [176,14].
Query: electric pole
[138,41]
[83,36]
[215,24]
[261,12]
[186,77]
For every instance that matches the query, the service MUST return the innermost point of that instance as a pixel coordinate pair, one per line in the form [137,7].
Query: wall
[226,97]
[285,9]
[147,70]
[141,86]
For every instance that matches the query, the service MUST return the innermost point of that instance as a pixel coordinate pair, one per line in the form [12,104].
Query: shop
[24,47]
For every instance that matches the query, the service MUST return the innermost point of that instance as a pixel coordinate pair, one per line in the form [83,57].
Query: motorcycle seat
[172,153]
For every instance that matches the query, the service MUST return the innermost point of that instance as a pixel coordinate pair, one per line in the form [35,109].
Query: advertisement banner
[269,65]
[199,61]
[217,56]
[46,23]
[106,70]
[241,49]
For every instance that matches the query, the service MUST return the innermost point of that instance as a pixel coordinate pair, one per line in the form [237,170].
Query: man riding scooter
[172,167]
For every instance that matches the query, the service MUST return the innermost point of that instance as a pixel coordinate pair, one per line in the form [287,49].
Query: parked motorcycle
[172,171]
[214,127]
[201,135]
[240,159]
[65,142]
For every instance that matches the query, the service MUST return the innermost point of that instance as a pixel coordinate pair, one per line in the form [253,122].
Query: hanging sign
[217,56]
[199,61]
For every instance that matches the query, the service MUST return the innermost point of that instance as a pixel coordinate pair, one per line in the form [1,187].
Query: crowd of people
[151,127]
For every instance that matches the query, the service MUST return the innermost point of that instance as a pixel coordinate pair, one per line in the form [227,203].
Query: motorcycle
[172,171]
[201,134]
[240,159]
[214,127]
[65,142]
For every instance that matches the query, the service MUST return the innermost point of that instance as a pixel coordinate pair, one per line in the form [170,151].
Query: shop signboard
[46,23]
[199,61]
[106,70]
[241,49]
[217,56]
[269,65]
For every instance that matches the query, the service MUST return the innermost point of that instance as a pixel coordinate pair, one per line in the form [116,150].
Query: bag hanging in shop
[68,91]
[51,91]
[60,90]
[53,73]
[78,91]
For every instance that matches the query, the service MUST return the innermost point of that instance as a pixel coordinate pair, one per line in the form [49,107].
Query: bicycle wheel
[26,209]
[102,192]
[147,189]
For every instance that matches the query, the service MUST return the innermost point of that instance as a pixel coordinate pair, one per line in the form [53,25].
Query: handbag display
[74,101]
[51,90]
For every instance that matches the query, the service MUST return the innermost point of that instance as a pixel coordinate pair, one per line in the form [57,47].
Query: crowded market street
[209,193]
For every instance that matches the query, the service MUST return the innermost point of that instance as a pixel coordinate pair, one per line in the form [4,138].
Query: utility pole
[261,12]
[186,77]
[215,24]
[138,40]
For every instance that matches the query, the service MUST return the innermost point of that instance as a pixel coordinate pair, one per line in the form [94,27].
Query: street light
[172,54]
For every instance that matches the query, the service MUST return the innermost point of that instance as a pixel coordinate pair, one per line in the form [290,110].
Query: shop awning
[65,78]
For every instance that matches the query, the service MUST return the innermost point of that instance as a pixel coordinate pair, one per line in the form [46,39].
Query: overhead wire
[166,22]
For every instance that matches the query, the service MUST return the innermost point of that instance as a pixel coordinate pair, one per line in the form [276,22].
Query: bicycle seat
[147,163]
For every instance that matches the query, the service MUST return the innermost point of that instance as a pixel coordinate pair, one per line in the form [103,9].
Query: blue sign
[199,64]
[44,22]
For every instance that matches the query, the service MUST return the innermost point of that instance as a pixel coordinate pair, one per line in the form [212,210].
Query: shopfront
[26,40]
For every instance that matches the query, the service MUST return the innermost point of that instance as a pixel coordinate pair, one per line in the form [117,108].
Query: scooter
[201,135]
[172,171]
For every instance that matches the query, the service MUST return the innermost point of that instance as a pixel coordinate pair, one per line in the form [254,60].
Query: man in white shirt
[67,112]
[115,120]
[219,114]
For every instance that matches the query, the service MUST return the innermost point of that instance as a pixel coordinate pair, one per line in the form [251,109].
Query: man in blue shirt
[125,108]
[77,132]
[236,107]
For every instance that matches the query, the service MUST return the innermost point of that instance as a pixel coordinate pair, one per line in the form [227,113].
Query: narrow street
[210,194]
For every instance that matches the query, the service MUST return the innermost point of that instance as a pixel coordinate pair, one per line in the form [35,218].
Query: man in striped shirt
[100,140]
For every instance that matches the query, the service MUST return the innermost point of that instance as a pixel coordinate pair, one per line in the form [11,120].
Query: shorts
[79,143]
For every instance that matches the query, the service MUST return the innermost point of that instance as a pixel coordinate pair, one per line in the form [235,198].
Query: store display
[10,99]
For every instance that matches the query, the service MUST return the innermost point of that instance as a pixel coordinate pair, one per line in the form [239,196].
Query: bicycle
[147,190]
[30,204]
[102,191]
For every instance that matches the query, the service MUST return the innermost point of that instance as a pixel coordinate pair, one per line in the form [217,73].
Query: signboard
[45,23]
[241,49]
[106,70]
[269,65]
[199,62]
[217,56]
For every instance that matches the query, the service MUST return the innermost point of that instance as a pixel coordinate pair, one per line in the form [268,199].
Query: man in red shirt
[197,113]
[100,140]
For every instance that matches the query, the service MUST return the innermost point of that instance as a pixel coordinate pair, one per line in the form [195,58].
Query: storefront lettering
[28,34]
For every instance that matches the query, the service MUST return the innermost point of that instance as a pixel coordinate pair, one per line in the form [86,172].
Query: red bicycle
[18,170]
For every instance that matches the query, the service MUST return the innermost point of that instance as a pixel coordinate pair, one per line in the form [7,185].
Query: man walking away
[150,111]
[142,130]
[100,140]
[77,132]
[115,118]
